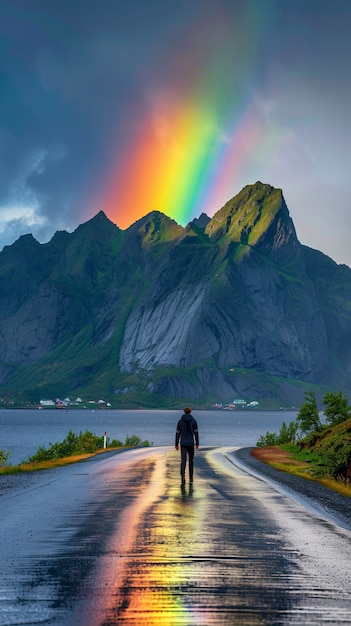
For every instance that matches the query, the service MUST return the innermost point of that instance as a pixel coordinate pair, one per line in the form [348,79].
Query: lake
[24,431]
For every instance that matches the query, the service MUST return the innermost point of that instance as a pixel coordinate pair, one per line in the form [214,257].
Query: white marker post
[105,440]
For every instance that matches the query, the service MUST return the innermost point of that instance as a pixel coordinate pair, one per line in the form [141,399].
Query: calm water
[23,431]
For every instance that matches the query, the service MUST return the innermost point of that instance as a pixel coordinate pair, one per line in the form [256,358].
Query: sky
[130,107]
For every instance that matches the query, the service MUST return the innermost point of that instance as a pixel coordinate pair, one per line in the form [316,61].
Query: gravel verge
[329,503]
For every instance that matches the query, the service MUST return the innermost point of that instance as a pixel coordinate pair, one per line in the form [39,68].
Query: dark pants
[187,451]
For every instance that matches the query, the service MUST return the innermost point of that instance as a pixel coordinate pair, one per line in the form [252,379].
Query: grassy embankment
[290,459]
[24,468]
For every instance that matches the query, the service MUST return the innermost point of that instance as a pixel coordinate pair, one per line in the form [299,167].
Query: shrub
[269,439]
[115,443]
[287,434]
[336,462]
[3,457]
[134,440]
[42,454]
[83,443]
[72,445]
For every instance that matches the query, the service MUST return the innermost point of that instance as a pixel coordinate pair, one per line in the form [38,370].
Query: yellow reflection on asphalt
[159,572]
[181,580]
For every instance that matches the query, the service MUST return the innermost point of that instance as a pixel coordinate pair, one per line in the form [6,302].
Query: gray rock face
[33,328]
[159,333]
[213,310]
[251,323]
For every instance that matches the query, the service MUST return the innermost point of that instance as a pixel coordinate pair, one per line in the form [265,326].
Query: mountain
[157,315]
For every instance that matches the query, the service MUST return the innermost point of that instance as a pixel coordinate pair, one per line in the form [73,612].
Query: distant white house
[47,403]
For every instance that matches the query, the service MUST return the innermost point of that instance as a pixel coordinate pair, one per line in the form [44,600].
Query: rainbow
[190,144]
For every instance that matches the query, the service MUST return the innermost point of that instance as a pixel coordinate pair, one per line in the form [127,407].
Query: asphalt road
[115,540]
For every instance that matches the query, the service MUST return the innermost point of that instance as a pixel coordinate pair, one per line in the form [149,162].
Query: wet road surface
[117,541]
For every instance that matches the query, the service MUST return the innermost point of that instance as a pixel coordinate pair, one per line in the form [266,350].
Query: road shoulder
[335,505]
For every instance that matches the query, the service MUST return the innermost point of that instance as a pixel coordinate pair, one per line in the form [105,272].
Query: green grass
[25,468]
[302,464]
[323,455]
[305,455]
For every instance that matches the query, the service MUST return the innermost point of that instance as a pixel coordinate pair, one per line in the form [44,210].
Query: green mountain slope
[159,314]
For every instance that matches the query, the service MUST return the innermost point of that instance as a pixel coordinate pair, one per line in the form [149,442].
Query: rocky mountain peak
[258,218]
[99,225]
[202,221]
[154,228]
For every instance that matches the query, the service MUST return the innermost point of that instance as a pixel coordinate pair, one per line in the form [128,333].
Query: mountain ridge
[159,313]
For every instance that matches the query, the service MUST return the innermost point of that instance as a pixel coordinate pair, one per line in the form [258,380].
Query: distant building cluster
[58,404]
[236,404]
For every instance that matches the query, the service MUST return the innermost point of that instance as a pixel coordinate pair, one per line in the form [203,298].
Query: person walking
[187,431]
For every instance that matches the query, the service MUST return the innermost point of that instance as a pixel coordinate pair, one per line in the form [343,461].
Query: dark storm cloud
[67,71]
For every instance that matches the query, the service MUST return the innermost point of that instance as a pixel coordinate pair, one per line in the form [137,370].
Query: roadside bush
[287,434]
[269,439]
[72,445]
[133,440]
[3,457]
[115,443]
[337,462]
[83,443]
[335,452]
[42,454]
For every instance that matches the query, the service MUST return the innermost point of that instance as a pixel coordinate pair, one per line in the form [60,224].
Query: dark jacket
[186,431]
